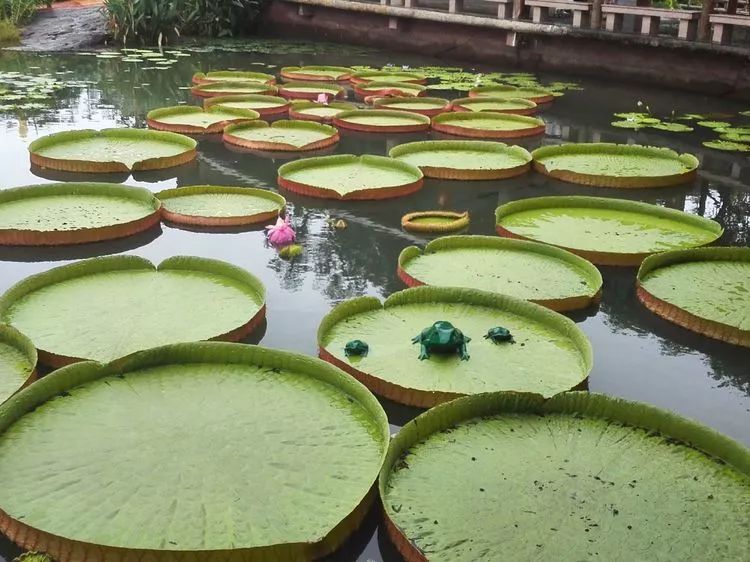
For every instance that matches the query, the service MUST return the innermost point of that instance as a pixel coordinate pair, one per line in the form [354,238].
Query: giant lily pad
[282,135]
[311,90]
[515,477]
[435,221]
[549,354]
[464,160]
[74,213]
[527,270]
[488,125]
[196,451]
[239,88]
[421,105]
[316,73]
[314,111]
[387,76]
[17,362]
[536,95]
[615,165]
[218,205]
[603,230]
[111,150]
[263,105]
[519,106]
[389,88]
[381,121]
[346,176]
[190,119]
[706,290]
[232,76]
[104,308]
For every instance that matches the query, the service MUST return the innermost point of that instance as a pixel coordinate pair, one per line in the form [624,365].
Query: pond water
[637,355]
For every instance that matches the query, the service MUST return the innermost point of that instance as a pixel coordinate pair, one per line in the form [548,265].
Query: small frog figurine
[442,337]
[357,348]
[499,334]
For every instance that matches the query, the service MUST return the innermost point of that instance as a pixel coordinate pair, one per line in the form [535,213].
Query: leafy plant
[19,11]
[8,32]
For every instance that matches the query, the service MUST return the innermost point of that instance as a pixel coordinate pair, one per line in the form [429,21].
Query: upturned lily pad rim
[85,372]
[592,405]
[602,257]
[235,75]
[34,237]
[231,137]
[297,109]
[299,73]
[209,220]
[418,122]
[283,104]
[438,294]
[373,75]
[227,88]
[312,90]
[607,180]
[584,267]
[448,172]
[460,220]
[153,118]
[11,337]
[539,95]
[459,123]
[102,264]
[680,316]
[524,106]
[370,192]
[373,88]
[74,165]
[438,104]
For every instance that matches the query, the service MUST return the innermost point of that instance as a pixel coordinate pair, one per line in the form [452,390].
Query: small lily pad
[727,146]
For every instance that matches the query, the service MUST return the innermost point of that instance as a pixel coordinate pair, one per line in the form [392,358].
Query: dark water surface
[636,355]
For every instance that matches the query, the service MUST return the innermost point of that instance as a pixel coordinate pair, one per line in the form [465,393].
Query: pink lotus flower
[281,233]
[322,98]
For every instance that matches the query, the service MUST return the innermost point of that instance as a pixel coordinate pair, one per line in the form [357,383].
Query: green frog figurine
[499,334]
[442,337]
[357,348]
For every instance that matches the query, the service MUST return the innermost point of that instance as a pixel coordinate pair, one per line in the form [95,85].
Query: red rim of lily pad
[237,116]
[231,137]
[419,122]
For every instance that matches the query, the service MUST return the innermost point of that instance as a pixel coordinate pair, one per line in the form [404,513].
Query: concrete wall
[657,61]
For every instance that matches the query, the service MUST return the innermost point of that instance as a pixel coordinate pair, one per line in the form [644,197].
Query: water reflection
[637,355]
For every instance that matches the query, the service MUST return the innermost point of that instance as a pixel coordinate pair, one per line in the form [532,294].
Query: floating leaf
[636,125]
[672,127]
[727,146]
[714,124]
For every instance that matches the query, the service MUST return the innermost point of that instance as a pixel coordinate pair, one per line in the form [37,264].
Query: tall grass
[8,33]
[19,11]
[155,21]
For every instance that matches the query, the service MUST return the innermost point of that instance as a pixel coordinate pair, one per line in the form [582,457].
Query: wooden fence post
[704,25]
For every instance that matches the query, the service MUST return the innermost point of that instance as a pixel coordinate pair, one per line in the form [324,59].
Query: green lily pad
[536,95]
[465,160]
[487,124]
[232,76]
[280,487]
[727,146]
[517,477]
[192,119]
[66,213]
[390,88]
[263,105]
[736,137]
[311,90]
[550,353]
[17,361]
[111,150]
[604,230]
[346,176]
[672,127]
[387,76]
[706,290]
[214,89]
[734,130]
[216,205]
[628,124]
[314,111]
[615,165]
[281,135]
[381,120]
[330,73]
[714,124]
[499,105]
[526,270]
[108,307]
[422,105]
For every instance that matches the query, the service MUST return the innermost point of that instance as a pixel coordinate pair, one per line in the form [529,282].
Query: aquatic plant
[281,233]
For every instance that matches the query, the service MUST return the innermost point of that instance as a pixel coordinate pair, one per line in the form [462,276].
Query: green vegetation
[19,11]
[154,21]
[8,32]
